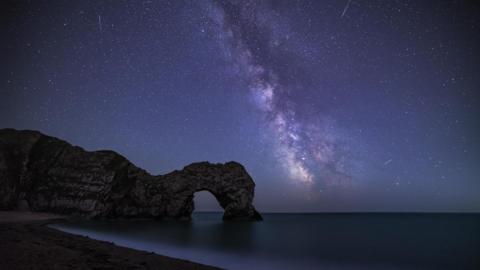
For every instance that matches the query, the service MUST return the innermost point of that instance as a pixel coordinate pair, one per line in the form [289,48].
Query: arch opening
[205,201]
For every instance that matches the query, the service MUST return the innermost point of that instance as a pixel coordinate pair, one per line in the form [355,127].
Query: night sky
[330,105]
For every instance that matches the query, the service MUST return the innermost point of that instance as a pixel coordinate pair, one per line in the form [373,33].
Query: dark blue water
[304,241]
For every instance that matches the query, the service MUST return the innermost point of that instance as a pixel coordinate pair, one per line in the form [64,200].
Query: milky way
[331,105]
[306,149]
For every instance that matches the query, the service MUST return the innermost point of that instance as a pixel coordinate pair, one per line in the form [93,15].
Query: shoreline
[27,243]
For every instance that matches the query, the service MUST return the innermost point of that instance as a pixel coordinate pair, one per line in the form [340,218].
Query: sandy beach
[27,243]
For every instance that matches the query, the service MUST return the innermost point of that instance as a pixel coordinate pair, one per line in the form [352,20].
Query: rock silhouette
[43,173]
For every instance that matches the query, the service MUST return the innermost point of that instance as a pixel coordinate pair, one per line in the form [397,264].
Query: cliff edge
[43,173]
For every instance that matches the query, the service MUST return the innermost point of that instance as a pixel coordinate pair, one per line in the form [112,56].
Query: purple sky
[330,105]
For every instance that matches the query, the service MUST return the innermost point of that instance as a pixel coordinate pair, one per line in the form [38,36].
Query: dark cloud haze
[330,105]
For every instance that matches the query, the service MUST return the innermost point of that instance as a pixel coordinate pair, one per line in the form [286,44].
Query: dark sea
[304,241]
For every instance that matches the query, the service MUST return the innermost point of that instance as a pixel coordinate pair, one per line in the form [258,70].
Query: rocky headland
[46,174]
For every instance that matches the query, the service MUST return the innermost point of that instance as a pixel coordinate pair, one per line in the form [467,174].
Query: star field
[330,105]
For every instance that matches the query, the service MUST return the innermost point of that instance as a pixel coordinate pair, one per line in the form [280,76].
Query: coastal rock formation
[43,173]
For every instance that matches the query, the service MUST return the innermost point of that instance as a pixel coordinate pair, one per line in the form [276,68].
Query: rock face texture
[43,173]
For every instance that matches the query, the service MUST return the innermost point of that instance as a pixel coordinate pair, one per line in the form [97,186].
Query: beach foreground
[26,243]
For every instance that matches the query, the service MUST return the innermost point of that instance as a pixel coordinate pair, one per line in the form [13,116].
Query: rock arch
[229,183]
[44,173]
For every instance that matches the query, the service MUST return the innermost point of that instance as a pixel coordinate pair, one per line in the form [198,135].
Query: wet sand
[26,243]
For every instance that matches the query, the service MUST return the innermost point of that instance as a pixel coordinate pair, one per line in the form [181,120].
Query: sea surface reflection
[304,241]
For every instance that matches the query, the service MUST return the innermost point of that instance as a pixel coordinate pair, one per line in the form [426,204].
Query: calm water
[305,241]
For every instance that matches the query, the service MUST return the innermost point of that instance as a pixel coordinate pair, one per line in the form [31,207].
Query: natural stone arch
[47,174]
[229,183]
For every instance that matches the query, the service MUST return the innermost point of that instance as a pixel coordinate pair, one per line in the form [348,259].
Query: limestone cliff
[43,173]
